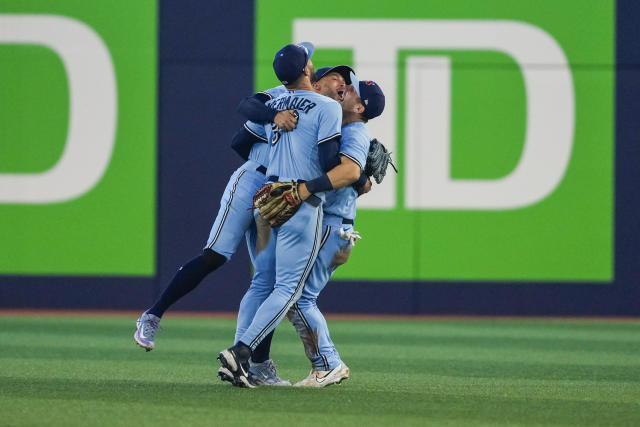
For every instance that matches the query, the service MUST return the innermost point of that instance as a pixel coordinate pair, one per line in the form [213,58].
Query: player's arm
[243,141]
[363,184]
[254,108]
[338,174]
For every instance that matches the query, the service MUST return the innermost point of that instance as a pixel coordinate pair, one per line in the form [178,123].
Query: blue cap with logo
[371,96]
[290,61]
[344,70]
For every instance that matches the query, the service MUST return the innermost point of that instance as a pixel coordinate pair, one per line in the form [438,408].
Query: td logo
[500,117]
[428,184]
[92,121]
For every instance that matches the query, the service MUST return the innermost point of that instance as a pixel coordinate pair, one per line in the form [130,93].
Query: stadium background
[206,61]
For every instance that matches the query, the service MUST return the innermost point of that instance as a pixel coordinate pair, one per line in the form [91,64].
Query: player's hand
[365,188]
[303,192]
[286,120]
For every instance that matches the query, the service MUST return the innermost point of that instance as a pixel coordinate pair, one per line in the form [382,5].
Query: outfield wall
[515,129]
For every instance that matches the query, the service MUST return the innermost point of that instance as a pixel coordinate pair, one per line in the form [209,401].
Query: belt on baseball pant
[313,200]
[262,170]
[336,220]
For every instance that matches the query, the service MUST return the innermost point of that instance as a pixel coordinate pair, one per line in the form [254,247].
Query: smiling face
[331,85]
[351,102]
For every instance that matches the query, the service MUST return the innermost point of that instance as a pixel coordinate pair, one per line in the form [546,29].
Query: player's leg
[297,244]
[261,245]
[327,367]
[186,279]
[228,229]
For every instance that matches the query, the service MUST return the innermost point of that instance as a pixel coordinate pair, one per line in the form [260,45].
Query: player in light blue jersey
[305,155]
[363,101]
[231,224]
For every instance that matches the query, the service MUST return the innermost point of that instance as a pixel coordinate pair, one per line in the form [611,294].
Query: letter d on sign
[92,115]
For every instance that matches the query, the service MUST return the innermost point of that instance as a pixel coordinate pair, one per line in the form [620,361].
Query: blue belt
[262,170]
[276,178]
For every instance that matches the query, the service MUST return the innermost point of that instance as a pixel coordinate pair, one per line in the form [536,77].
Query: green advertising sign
[77,137]
[500,116]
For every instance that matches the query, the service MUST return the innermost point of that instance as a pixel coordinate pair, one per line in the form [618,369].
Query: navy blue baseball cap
[371,96]
[290,61]
[344,70]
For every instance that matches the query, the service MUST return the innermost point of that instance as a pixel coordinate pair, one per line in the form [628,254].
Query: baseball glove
[277,202]
[378,159]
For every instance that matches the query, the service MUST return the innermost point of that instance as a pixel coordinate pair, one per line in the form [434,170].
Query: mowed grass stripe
[370,407]
[85,370]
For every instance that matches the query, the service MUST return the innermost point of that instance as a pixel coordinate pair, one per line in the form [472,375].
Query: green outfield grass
[87,371]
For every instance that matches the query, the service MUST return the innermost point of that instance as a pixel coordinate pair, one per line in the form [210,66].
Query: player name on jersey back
[290,102]
[294,154]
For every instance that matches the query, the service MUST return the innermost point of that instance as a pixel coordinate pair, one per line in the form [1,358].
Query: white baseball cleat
[147,326]
[325,378]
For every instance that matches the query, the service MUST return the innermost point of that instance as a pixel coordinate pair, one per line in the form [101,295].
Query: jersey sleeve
[256,129]
[355,145]
[330,121]
[274,92]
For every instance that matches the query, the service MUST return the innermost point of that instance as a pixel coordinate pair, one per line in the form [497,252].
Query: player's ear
[358,108]
[308,69]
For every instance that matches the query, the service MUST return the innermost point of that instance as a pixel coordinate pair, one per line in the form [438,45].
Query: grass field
[85,370]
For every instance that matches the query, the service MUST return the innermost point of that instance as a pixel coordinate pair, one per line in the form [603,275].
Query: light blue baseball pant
[296,246]
[262,250]
[235,216]
[304,314]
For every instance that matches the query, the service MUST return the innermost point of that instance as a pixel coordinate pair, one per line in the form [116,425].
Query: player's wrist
[303,191]
[319,184]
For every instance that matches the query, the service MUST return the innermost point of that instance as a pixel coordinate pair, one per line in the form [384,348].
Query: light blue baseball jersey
[294,154]
[354,145]
[260,152]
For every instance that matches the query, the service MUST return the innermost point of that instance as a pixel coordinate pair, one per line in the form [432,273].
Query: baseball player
[300,164]
[363,101]
[231,223]
[330,81]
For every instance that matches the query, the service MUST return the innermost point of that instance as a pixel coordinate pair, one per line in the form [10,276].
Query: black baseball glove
[378,159]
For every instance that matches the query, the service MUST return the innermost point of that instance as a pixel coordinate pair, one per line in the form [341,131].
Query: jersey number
[276,134]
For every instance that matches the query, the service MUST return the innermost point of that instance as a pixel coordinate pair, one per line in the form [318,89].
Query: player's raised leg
[228,230]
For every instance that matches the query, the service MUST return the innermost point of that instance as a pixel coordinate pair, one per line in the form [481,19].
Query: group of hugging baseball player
[309,156]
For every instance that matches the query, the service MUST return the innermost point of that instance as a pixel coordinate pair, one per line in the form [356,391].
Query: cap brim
[344,70]
[309,47]
[355,82]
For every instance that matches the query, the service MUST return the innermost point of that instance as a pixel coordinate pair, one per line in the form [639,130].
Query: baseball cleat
[236,362]
[226,375]
[265,374]
[146,328]
[325,378]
